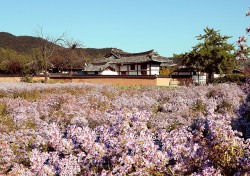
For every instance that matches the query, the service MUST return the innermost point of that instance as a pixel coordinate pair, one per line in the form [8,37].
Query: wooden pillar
[137,68]
[149,68]
[119,69]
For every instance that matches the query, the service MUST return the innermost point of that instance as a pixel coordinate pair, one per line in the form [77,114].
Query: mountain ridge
[25,44]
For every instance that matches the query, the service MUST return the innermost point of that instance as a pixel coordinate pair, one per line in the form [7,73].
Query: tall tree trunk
[46,77]
[45,69]
[210,76]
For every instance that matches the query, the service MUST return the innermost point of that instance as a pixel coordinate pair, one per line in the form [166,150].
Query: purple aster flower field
[91,129]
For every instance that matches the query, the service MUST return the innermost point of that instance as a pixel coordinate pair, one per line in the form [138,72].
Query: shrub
[233,78]
[27,79]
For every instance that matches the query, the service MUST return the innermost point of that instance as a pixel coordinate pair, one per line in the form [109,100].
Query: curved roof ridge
[126,54]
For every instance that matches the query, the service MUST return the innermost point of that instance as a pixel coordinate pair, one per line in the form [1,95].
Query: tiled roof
[131,59]
[102,61]
[119,53]
[146,53]
[167,64]
[121,57]
[92,67]
[186,69]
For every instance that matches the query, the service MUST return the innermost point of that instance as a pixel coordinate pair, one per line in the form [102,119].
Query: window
[143,72]
[144,66]
[123,73]
[132,67]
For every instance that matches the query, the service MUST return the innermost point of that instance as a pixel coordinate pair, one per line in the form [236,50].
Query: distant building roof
[186,69]
[119,53]
[167,64]
[92,67]
[117,56]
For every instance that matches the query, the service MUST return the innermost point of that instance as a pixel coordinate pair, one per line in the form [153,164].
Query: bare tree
[47,48]
[71,54]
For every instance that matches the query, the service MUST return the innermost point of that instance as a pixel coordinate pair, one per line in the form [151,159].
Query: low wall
[163,81]
[10,79]
[180,81]
[115,80]
[18,79]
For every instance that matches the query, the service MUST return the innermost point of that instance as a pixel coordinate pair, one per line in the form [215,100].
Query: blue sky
[167,26]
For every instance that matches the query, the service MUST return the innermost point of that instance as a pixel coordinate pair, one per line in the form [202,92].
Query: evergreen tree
[212,55]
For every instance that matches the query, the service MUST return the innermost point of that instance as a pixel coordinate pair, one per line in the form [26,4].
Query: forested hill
[25,44]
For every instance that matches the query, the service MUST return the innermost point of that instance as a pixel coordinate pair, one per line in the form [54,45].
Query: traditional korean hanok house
[119,62]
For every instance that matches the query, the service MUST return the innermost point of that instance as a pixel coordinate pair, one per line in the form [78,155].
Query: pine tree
[212,55]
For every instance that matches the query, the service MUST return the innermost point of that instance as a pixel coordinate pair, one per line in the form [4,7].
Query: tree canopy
[213,54]
[12,62]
